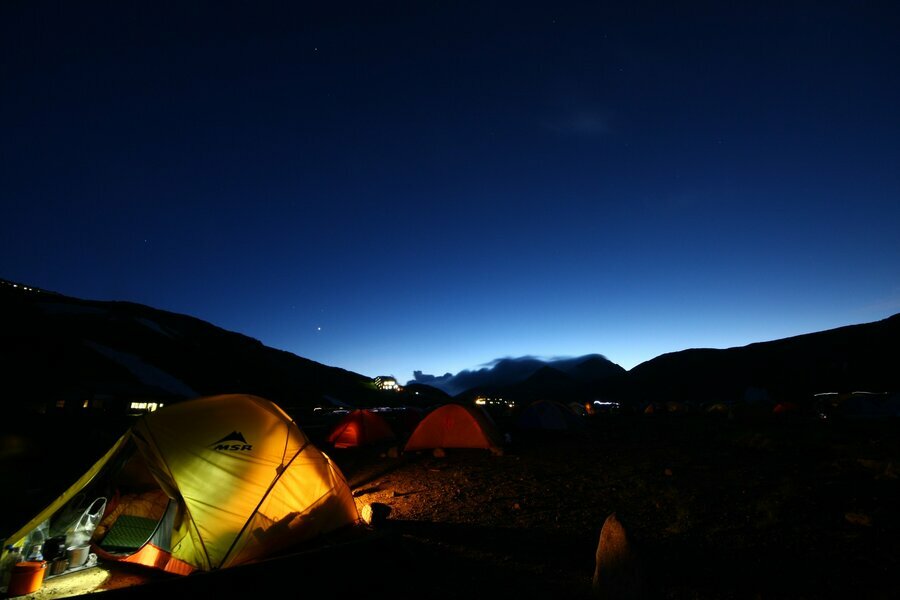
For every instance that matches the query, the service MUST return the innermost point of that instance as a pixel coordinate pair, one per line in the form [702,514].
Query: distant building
[387,382]
[487,401]
[495,406]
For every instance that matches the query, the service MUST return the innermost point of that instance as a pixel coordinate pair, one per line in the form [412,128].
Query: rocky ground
[714,508]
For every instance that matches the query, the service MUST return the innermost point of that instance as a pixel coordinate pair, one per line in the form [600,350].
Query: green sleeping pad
[128,533]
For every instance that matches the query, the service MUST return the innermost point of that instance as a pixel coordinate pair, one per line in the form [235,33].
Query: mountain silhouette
[852,358]
[64,352]
[59,352]
[510,371]
[845,359]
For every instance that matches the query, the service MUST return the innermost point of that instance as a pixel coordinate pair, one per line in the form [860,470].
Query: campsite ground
[757,507]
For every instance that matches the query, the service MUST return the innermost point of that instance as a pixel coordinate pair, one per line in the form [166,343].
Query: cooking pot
[57,566]
[78,555]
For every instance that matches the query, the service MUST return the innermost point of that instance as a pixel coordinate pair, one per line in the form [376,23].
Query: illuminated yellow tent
[238,481]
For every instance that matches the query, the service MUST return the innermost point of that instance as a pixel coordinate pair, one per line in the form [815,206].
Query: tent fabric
[360,427]
[549,415]
[59,505]
[455,426]
[243,481]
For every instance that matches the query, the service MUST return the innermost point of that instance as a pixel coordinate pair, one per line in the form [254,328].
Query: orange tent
[455,426]
[360,427]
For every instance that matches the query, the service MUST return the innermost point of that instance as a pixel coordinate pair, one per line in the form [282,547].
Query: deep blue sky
[389,187]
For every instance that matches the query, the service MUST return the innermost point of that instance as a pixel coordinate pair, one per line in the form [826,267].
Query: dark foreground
[760,507]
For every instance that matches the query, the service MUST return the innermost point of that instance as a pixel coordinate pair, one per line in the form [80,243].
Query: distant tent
[579,409]
[786,408]
[205,484]
[676,407]
[360,427]
[549,415]
[718,408]
[455,426]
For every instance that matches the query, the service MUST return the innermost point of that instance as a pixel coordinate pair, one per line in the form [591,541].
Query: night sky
[391,187]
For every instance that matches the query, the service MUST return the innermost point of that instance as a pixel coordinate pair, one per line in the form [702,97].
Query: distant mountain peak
[510,371]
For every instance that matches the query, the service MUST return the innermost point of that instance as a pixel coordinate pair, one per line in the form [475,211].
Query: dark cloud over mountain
[512,370]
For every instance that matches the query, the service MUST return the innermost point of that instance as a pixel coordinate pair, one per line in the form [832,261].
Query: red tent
[455,426]
[360,427]
[786,408]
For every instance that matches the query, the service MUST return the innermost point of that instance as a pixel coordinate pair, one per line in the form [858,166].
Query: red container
[27,577]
